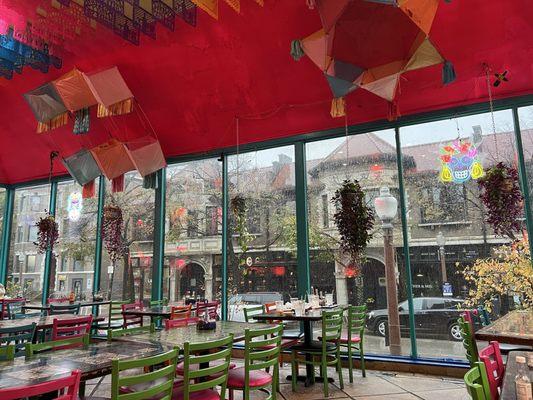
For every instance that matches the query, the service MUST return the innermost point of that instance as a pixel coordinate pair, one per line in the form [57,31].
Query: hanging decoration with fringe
[234,4]
[338,107]
[118,184]
[150,181]
[81,121]
[88,191]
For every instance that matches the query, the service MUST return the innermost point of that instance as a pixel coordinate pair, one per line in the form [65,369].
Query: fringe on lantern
[394,111]
[150,181]
[338,107]
[122,107]
[88,191]
[448,73]
[297,51]
[56,122]
[117,184]
[81,121]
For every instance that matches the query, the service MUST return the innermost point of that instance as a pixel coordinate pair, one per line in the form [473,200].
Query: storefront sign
[447,289]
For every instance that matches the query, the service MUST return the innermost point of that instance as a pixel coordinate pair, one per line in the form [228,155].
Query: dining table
[310,316]
[508,390]
[516,327]
[42,322]
[93,361]
[88,303]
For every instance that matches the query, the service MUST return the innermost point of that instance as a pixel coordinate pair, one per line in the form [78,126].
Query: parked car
[238,302]
[434,316]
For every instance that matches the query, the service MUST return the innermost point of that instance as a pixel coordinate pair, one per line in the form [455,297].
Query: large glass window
[526,130]
[72,269]
[262,229]
[26,266]
[131,278]
[447,220]
[193,231]
[2,208]
[369,159]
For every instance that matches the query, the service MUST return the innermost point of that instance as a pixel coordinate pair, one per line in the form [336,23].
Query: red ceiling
[193,82]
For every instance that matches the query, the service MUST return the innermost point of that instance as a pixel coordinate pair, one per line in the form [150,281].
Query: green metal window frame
[301,198]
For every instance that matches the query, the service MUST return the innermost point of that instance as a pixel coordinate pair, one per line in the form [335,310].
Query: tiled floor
[376,386]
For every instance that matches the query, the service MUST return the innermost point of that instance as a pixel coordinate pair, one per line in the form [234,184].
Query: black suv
[434,316]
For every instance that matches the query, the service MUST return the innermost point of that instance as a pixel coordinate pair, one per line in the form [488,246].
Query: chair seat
[208,394]
[194,367]
[344,339]
[292,334]
[285,343]
[315,347]
[257,378]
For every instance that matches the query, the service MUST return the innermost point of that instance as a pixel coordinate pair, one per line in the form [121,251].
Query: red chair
[180,323]
[180,312]
[68,388]
[130,320]
[492,358]
[211,308]
[60,300]
[71,328]
[4,313]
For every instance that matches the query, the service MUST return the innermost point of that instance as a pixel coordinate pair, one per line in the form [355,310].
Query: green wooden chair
[159,303]
[469,341]
[477,383]
[7,353]
[137,330]
[249,312]
[35,348]
[327,350]
[144,378]
[261,352]
[201,379]
[18,337]
[354,339]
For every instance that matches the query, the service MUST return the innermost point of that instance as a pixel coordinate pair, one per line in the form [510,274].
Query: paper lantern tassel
[88,191]
[448,73]
[56,122]
[338,107]
[297,52]
[120,108]
[118,184]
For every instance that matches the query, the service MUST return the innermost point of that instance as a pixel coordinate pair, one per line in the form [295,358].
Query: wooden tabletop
[311,315]
[93,361]
[81,303]
[179,336]
[156,311]
[42,322]
[514,328]
[511,369]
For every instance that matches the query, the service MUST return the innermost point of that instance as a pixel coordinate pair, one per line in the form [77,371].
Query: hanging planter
[239,208]
[47,235]
[112,226]
[354,220]
[501,195]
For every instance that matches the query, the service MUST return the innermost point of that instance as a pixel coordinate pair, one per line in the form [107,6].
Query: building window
[443,203]
[325,211]
[211,220]
[78,265]
[30,263]
[32,233]
[18,264]
[192,223]
[20,234]
[35,202]
[64,263]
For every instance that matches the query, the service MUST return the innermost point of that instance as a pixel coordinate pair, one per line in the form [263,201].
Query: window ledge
[444,223]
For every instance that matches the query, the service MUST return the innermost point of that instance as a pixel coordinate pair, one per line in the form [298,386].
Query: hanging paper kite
[460,161]
[369,44]
[47,107]
[113,95]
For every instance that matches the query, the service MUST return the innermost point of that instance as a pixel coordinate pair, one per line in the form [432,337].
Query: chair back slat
[136,330]
[250,312]
[154,368]
[130,320]
[7,353]
[4,310]
[15,308]
[356,321]
[34,348]
[71,328]
[159,303]
[181,312]
[477,383]
[68,388]
[115,312]
[198,378]
[492,359]
[469,341]
[18,336]
[58,309]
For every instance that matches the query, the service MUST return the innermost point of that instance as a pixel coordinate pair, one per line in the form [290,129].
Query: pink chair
[130,320]
[180,323]
[68,388]
[211,308]
[71,328]
[492,358]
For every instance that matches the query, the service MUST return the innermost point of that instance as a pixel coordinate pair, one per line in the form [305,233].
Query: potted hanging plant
[238,208]
[48,234]
[354,220]
[501,195]
[112,226]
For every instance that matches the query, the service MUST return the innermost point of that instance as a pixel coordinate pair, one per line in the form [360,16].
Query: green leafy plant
[354,220]
[47,235]
[239,208]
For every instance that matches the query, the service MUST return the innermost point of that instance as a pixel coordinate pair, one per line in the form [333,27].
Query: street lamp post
[441,241]
[387,207]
